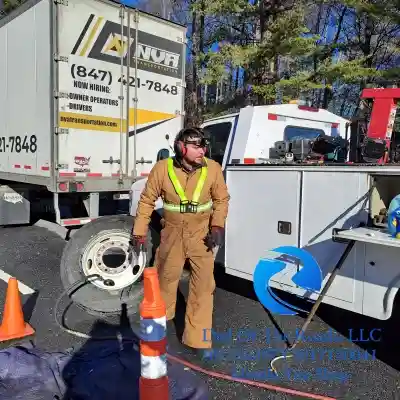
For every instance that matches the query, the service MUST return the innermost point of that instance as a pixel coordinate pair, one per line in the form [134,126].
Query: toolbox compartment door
[263,214]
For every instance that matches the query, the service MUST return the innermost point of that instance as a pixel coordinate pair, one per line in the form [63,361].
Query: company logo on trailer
[308,277]
[83,163]
[13,198]
[116,45]
[154,54]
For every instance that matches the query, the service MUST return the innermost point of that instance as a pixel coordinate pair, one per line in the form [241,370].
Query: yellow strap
[178,187]
[200,184]
[175,181]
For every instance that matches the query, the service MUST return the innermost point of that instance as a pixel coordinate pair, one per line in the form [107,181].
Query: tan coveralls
[182,238]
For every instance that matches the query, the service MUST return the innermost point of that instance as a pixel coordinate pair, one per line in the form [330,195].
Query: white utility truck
[91,91]
[333,210]
[250,134]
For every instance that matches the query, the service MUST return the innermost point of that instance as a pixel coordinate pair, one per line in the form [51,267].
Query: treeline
[323,52]
[258,52]
[7,6]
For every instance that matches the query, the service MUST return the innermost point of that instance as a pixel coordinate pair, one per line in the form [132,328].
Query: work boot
[171,327]
[204,356]
[172,333]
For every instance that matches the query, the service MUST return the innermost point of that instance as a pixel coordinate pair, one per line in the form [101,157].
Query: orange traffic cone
[153,382]
[13,325]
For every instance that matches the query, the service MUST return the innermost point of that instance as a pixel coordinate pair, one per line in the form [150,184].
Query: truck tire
[91,250]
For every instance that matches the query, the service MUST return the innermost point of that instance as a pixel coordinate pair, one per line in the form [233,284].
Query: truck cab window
[219,135]
[301,132]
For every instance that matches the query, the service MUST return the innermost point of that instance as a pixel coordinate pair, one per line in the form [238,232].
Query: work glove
[137,243]
[215,237]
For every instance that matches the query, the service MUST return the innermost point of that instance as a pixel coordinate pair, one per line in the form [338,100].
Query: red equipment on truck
[374,142]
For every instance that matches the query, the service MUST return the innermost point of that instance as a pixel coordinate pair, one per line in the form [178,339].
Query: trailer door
[92,91]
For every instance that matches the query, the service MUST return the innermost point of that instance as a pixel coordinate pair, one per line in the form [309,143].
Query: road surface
[327,363]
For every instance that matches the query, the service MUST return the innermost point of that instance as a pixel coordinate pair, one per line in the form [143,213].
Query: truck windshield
[219,135]
[301,132]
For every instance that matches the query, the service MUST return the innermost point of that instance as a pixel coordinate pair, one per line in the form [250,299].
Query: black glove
[137,243]
[215,237]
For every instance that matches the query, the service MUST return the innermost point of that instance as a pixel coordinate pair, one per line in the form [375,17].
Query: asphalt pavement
[343,356]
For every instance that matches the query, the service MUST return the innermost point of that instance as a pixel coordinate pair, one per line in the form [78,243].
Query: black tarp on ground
[100,370]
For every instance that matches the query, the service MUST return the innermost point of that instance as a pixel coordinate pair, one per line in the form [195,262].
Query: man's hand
[137,243]
[217,234]
[215,237]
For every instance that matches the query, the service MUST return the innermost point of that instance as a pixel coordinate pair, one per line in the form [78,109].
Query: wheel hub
[108,255]
[112,249]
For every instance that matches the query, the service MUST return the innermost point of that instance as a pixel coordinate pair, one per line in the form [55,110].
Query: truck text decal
[154,54]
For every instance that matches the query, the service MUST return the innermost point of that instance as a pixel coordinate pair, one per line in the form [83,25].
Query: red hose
[248,381]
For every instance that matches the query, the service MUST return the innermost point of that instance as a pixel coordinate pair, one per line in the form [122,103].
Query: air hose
[76,286]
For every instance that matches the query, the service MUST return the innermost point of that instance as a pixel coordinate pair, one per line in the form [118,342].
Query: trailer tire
[92,299]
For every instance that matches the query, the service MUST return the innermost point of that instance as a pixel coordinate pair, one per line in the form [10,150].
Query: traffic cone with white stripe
[153,344]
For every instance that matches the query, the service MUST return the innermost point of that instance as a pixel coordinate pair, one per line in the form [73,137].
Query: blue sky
[327,36]
[131,3]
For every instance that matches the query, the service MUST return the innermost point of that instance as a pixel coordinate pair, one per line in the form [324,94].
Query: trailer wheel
[101,247]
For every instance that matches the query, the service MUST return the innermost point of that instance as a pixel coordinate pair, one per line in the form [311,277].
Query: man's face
[195,151]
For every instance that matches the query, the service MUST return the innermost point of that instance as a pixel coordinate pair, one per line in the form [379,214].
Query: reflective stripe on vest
[179,190]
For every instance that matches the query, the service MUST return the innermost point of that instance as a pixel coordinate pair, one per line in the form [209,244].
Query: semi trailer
[91,91]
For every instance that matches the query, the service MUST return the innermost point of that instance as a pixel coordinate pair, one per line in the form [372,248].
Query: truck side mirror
[162,154]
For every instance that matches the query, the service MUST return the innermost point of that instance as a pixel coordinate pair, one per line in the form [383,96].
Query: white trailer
[91,91]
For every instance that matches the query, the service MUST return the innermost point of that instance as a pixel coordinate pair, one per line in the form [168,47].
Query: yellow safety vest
[187,206]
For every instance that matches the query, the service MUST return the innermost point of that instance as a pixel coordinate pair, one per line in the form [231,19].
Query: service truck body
[313,201]
[309,202]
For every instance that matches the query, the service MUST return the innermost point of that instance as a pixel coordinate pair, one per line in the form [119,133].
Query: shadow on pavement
[233,284]
[106,369]
[377,337]
[29,305]
[245,288]
[110,369]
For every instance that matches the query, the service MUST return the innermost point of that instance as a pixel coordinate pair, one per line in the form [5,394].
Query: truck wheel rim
[107,254]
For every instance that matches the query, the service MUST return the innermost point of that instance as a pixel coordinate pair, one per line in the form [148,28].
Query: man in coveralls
[196,201]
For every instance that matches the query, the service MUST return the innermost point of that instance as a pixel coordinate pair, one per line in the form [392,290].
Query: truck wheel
[101,247]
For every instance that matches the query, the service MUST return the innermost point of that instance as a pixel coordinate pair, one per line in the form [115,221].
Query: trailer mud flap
[14,206]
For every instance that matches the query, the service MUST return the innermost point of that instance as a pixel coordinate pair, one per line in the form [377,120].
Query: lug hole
[135,269]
